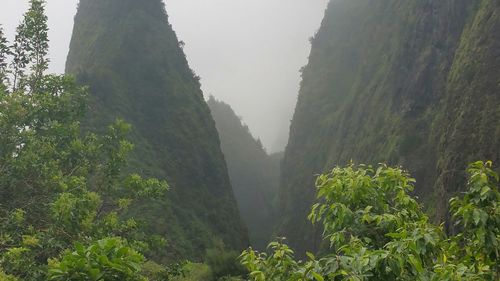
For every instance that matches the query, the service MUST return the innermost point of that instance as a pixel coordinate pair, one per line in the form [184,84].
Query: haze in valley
[247,53]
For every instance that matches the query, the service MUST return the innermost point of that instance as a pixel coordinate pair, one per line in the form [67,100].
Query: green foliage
[194,272]
[5,277]
[377,231]
[108,259]
[223,262]
[280,265]
[4,52]
[31,47]
[477,214]
[59,185]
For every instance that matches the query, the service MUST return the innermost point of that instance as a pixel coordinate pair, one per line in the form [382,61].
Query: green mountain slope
[469,122]
[128,54]
[402,82]
[254,174]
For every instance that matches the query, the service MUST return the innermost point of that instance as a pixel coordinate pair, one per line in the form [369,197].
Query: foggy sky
[247,52]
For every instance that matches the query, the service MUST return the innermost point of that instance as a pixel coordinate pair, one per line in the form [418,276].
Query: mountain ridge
[379,88]
[128,54]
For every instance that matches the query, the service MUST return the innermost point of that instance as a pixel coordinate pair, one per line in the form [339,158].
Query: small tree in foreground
[377,231]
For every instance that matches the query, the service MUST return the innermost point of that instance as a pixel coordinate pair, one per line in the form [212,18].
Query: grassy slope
[130,56]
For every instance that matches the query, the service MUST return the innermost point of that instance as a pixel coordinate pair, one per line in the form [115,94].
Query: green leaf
[476,216]
[317,276]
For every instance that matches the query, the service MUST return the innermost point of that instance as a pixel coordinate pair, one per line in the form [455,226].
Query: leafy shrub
[376,231]
[108,259]
[223,262]
[194,272]
[5,277]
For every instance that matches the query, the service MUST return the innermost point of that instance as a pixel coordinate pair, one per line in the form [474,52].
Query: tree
[61,187]
[4,52]
[377,231]
[31,47]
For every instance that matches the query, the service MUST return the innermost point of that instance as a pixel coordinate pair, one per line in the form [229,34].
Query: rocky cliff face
[128,54]
[410,83]
[254,174]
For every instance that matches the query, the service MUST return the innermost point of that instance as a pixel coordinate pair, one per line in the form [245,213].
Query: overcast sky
[247,52]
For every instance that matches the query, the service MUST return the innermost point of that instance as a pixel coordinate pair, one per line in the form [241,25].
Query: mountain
[412,83]
[254,174]
[128,54]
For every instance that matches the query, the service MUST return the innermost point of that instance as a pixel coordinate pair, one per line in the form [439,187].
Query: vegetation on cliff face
[254,174]
[469,123]
[408,83]
[131,59]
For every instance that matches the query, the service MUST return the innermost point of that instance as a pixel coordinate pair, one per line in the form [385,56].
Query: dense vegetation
[254,174]
[73,207]
[63,192]
[409,83]
[131,59]
[377,231]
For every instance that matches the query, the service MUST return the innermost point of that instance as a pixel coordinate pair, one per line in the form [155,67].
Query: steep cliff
[254,174]
[409,83]
[128,54]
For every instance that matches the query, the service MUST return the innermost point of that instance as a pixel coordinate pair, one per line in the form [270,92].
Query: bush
[377,231]
[108,259]
[222,262]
